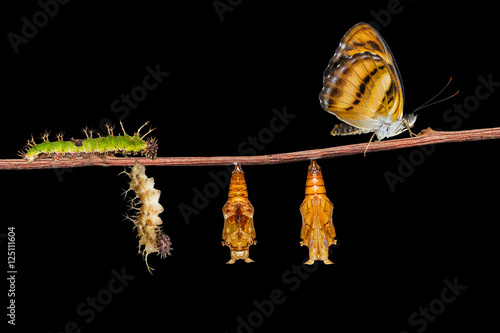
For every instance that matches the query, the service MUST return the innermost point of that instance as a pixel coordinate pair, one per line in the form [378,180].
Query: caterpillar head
[163,244]
[23,155]
[151,148]
[27,153]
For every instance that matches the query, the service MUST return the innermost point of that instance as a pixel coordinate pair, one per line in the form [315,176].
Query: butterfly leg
[409,130]
[368,145]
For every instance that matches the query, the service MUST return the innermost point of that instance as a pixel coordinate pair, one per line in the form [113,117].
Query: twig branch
[425,137]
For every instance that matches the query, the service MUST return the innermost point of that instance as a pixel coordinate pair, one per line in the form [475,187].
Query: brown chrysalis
[239,232]
[318,232]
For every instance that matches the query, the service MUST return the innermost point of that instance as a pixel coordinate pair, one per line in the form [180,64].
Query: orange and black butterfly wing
[362,85]
[362,92]
[361,38]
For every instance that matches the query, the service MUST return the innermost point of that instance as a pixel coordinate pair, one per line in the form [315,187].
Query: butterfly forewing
[362,86]
[361,38]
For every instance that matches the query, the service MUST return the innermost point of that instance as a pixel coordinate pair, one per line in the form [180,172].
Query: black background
[225,78]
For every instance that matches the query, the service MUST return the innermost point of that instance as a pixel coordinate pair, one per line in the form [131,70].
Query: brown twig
[425,137]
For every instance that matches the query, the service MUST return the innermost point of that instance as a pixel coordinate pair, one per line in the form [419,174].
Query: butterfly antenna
[428,103]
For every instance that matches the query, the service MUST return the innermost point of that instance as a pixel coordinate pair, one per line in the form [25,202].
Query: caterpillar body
[239,232]
[147,222]
[101,147]
[317,232]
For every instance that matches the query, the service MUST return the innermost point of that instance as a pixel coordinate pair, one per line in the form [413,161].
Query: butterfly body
[362,86]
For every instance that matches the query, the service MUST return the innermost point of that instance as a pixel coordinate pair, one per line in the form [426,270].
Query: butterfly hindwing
[361,91]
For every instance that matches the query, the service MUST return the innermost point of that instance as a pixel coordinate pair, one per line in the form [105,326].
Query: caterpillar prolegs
[152,239]
[101,147]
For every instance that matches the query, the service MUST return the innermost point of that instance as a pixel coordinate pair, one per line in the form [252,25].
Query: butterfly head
[397,127]
[410,119]
[405,123]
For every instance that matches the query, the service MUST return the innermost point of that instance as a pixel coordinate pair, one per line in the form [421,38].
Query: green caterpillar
[101,147]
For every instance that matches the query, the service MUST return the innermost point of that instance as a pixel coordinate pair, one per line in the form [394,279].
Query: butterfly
[362,87]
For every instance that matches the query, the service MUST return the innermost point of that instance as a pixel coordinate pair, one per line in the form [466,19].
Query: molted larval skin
[147,222]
